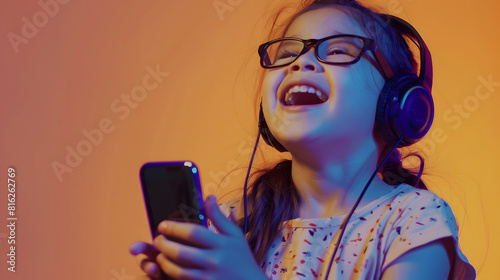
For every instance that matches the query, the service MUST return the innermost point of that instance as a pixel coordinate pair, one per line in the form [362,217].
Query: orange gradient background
[69,76]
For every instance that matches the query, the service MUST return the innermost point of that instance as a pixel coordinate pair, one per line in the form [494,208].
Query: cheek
[370,79]
[270,85]
[356,96]
[365,84]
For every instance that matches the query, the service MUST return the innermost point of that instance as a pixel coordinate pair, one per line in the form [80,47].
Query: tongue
[302,99]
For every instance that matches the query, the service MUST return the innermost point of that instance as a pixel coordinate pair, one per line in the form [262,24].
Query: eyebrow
[331,34]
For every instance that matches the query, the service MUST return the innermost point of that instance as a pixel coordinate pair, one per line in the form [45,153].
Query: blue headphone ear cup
[267,135]
[405,108]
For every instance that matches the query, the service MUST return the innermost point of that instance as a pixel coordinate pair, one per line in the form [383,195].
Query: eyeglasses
[336,49]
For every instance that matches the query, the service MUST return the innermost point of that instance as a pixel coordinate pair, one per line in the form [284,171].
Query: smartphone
[172,191]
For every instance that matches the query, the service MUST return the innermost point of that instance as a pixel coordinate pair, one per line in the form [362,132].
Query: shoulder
[418,215]
[406,204]
[232,207]
[422,205]
[410,194]
[424,226]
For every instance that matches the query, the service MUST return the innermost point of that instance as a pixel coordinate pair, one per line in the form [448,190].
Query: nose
[306,62]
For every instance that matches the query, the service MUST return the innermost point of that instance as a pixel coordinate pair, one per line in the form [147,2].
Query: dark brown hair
[273,198]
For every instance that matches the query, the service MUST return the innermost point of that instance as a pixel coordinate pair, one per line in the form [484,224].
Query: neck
[329,184]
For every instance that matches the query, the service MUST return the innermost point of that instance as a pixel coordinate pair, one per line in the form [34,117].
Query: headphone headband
[405,28]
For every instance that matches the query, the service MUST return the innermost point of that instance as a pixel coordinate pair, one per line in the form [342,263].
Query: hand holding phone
[228,245]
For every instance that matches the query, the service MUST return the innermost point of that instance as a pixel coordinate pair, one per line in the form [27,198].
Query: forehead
[323,22]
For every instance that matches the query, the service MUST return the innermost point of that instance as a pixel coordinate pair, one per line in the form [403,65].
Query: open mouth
[300,95]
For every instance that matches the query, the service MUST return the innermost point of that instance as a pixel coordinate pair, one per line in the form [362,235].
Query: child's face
[347,116]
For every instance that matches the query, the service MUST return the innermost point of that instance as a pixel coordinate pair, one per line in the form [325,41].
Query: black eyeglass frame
[368,44]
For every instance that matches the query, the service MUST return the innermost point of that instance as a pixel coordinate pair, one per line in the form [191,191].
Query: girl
[312,217]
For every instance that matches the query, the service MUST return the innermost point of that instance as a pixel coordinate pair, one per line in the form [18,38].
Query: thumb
[224,225]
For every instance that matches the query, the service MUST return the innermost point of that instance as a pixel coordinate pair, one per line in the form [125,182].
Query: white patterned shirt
[376,235]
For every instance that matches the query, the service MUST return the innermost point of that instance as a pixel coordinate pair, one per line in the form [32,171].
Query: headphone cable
[245,187]
[348,217]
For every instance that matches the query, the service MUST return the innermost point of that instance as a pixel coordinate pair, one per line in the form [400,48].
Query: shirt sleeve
[423,218]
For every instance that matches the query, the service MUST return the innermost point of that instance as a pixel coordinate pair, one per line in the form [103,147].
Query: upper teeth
[305,89]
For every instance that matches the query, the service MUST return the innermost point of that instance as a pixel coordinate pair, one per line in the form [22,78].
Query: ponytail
[273,199]
[393,172]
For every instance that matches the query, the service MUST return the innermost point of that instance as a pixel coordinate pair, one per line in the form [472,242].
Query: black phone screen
[172,192]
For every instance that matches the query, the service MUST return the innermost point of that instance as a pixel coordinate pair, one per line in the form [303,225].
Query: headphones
[404,108]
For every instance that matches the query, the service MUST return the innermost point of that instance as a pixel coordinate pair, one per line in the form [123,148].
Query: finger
[193,234]
[147,262]
[148,265]
[223,224]
[151,268]
[177,272]
[143,248]
[181,254]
